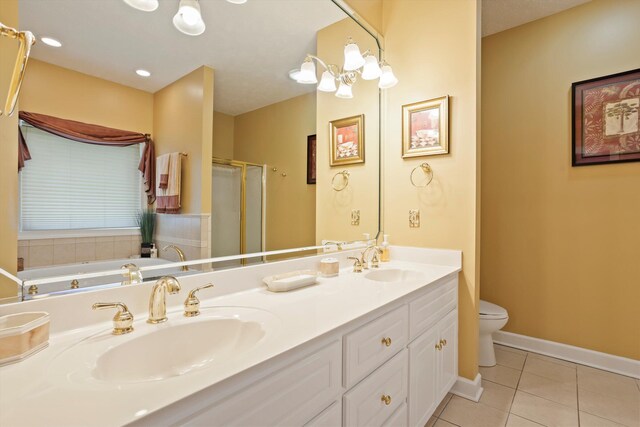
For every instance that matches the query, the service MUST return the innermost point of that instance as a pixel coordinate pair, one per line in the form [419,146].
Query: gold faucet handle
[357,264]
[123,319]
[133,276]
[192,303]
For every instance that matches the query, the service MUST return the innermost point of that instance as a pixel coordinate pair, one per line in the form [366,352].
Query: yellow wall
[560,244]
[432,46]
[333,208]
[223,135]
[370,11]
[183,121]
[61,92]
[276,135]
[8,156]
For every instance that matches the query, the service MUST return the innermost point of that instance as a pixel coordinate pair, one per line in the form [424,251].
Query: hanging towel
[162,166]
[168,169]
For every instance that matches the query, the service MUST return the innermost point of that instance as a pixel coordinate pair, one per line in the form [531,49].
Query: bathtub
[64,286]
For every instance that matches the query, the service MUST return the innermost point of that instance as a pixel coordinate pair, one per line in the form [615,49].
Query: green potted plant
[147,223]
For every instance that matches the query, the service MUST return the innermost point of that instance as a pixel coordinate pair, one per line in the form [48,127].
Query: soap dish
[289,281]
[22,335]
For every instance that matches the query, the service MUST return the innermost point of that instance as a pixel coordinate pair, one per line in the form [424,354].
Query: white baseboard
[468,389]
[583,356]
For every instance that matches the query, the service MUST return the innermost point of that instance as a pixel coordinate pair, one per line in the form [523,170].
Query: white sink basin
[159,352]
[394,275]
[177,350]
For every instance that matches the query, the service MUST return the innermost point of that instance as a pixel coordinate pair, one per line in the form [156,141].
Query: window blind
[73,185]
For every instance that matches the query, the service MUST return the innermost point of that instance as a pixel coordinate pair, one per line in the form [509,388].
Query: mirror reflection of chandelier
[188,20]
[355,63]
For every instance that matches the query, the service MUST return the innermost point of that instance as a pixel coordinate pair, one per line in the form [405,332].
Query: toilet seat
[492,311]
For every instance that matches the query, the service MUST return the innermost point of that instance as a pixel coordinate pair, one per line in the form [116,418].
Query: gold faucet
[122,321]
[375,261]
[334,242]
[158,300]
[180,255]
[133,276]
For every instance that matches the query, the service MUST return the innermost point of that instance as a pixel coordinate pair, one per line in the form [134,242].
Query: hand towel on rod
[168,198]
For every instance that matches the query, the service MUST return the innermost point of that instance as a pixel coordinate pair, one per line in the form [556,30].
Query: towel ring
[345,181]
[426,169]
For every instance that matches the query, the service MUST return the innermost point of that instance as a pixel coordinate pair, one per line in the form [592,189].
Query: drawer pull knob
[386,399]
[386,341]
[444,342]
[439,346]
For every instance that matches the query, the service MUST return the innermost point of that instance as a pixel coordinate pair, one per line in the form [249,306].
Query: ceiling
[500,15]
[251,47]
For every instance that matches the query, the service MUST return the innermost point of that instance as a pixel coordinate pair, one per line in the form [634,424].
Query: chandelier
[341,80]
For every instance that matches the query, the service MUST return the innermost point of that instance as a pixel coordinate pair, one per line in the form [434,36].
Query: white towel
[168,170]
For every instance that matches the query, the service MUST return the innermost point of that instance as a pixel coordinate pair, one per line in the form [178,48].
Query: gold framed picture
[425,128]
[347,141]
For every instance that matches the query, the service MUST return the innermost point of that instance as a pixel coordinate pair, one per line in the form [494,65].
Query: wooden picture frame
[425,128]
[347,141]
[311,159]
[605,119]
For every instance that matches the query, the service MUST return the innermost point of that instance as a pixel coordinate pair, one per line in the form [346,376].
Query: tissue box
[22,335]
[329,267]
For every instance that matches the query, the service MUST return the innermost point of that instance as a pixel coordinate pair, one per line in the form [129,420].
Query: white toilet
[492,318]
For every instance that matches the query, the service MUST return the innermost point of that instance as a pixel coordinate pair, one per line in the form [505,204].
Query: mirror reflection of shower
[238,201]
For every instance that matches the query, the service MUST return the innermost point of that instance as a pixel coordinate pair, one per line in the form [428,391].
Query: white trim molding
[583,356]
[468,389]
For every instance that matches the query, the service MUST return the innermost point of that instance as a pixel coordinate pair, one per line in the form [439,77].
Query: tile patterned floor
[531,390]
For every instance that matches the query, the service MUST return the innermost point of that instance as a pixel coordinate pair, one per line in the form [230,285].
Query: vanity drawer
[398,419]
[364,405]
[369,346]
[433,306]
[292,396]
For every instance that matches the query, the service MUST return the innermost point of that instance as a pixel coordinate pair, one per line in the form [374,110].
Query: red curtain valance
[92,134]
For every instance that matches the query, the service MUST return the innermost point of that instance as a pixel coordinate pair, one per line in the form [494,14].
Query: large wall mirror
[262,162]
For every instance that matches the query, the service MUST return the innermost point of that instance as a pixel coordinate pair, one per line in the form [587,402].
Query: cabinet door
[292,396]
[330,417]
[448,355]
[423,377]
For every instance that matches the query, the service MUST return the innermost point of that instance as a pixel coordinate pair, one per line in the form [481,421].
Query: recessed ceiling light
[143,73]
[50,42]
[237,1]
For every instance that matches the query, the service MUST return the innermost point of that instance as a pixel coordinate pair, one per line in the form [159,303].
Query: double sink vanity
[371,348]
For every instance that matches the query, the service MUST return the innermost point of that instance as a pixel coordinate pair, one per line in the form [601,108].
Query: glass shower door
[226,212]
[237,211]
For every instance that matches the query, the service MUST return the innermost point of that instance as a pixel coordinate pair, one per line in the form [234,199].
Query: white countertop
[35,392]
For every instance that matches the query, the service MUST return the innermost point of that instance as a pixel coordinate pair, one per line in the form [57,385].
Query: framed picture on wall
[606,121]
[311,159]
[347,141]
[425,128]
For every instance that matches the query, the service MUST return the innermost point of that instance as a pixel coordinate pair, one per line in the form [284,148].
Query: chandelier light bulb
[371,70]
[387,78]
[188,19]
[307,74]
[327,82]
[143,5]
[344,91]
[352,57]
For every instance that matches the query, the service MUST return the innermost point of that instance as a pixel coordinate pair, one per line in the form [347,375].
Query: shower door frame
[243,202]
